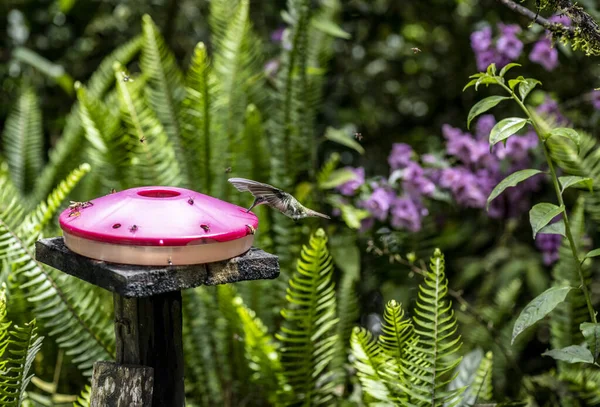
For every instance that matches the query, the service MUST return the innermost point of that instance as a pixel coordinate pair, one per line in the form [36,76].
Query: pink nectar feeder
[158,226]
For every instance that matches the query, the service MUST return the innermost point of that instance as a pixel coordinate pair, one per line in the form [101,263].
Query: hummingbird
[275,198]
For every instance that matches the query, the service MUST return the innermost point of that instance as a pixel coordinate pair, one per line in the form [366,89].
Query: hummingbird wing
[274,197]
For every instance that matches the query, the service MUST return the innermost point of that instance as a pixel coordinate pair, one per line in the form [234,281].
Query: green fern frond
[83,400]
[166,89]
[432,358]
[474,374]
[263,357]
[197,111]
[103,131]
[203,370]
[397,332]
[307,336]
[373,367]
[64,305]
[39,218]
[68,149]
[153,160]
[566,318]
[23,141]
[18,348]
[221,13]
[237,68]
[583,384]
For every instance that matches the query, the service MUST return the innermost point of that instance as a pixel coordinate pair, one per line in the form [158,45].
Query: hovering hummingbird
[275,198]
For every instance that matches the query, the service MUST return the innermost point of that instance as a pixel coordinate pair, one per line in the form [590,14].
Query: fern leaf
[221,13]
[196,118]
[83,400]
[109,153]
[263,357]
[67,307]
[153,160]
[23,141]
[568,316]
[432,358]
[307,336]
[166,90]
[18,348]
[397,331]
[373,367]
[65,154]
[202,368]
[237,69]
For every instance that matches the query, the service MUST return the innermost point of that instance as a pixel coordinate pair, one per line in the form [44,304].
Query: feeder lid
[158,216]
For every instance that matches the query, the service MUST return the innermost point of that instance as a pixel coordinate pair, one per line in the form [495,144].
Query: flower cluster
[477,170]
[507,47]
[548,244]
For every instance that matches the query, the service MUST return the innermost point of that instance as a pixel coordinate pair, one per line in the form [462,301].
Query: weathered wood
[115,385]
[149,332]
[145,281]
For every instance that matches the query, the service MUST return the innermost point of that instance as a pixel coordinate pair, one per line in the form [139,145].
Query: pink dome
[158,217]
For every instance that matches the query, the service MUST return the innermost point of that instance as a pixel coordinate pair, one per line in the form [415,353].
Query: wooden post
[148,324]
[149,332]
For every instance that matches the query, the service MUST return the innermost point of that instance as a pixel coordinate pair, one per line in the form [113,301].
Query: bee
[116,226]
[79,205]
[358,136]
[126,77]
[143,139]
[74,213]
[206,228]
[113,191]
[133,229]
[250,229]
[415,50]
[227,170]
[190,201]
[170,262]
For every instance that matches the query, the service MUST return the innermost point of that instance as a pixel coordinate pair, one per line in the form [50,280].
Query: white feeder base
[158,255]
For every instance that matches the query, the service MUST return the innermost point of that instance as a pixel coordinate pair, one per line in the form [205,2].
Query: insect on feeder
[146,245]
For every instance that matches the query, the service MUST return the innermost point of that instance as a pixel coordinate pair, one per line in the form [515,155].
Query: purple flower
[595,97]
[350,187]
[509,29]
[484,126]
[481,40]
[509,46]
[415,183]
[379,203]
[271,67]
[366,224]
[484,58]
[549,108]
[544,54]
[548,244]
[277,35]
[561,19]
[461,145]
[406,214]
[400,156]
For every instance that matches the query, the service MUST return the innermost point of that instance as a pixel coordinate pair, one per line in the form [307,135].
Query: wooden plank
[115,385]
[145,281]
[149,332]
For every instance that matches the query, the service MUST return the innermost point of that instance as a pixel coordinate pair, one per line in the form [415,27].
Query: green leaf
[571,181]
[491,69]
[512,180]
[50,69]
[556,228]
[483,106]
[541,214]
[506,128]
[566,133]
[337,178]
[486,80]
[591,333]
[571,354]
[341,137]
[506,68]
[329,27]
[592,253]
[514,82]
[527,86]
[538,308]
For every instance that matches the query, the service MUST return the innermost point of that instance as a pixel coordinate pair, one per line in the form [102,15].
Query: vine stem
[559,197]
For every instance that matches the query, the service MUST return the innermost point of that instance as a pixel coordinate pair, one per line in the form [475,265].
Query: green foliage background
[92,79]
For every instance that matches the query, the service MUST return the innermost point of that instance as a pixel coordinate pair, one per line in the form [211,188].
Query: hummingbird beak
[253,205]
[310,212]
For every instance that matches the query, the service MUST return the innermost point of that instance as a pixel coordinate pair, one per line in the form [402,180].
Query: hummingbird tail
[310,212]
